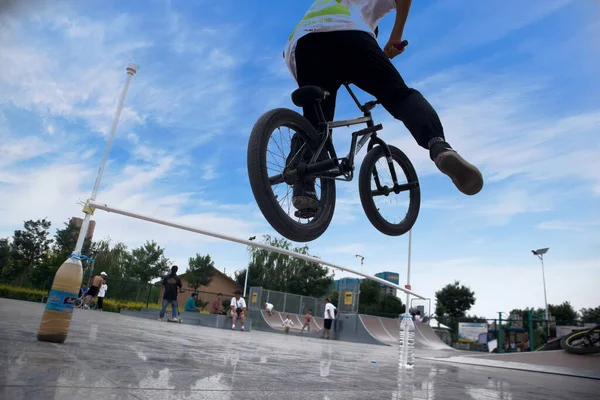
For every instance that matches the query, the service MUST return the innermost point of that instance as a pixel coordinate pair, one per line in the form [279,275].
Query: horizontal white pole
[105,207]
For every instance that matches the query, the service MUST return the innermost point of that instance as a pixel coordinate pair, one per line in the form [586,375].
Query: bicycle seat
[307,95]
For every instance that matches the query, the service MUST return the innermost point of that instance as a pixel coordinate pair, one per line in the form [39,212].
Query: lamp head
[540,252]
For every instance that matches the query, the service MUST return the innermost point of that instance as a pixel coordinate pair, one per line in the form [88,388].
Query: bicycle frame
[334,167]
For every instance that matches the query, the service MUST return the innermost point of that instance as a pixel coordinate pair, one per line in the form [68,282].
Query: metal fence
[285,302]
[348,298]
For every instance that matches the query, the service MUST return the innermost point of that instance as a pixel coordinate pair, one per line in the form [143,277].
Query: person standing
[287,324]
[307,319]
[329,317]
[102,294]
[238,309]
[94,289]
[172,285]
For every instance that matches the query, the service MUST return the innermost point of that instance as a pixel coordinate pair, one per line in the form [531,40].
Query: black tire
[366,198]
[566,344]
[261,188]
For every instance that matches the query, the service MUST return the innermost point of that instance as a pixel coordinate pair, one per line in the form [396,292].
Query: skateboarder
[172,285]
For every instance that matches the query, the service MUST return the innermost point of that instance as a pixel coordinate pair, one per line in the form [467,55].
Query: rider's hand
[391,50]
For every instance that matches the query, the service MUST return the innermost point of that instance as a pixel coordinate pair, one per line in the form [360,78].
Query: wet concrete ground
[110,356]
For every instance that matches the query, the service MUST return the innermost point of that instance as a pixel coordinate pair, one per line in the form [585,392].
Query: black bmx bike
[386,173]
[585,341]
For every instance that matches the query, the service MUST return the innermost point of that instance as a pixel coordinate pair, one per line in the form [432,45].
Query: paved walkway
[111,356]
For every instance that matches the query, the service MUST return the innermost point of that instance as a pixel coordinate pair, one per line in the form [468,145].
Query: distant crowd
[238,310]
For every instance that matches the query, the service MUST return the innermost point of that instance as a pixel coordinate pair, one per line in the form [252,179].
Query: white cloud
[571,225]
[198,94]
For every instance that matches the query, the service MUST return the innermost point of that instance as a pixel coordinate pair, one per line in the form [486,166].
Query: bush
[11,292]
[109,305]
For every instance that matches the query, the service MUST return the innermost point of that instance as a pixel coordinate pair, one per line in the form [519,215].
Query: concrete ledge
[192,318]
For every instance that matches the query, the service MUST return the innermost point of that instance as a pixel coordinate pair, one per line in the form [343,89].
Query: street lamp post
[247,268]
[362,259]
[540,254]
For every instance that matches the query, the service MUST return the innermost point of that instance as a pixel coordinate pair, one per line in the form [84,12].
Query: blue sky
[515,84]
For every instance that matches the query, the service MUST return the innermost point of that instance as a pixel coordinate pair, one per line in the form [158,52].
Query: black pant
[328,59]
[100,301]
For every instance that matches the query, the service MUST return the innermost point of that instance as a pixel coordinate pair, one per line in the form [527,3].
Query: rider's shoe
[304,196]
[465,176]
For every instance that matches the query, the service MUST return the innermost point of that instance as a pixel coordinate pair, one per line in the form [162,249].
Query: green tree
[30,246]
[370,296]
[334,297]
[564,313]
[590,315]
[200,271]
[307,278]
[6,270]
[390,304]
[115,260]
[146,263]
[275,271]
[65,240]
[453,301]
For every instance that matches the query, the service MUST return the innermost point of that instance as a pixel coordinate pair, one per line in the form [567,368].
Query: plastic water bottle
[407,342]
[61,302]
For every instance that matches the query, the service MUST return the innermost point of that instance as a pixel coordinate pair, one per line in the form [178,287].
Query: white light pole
[407,286]
[540,254]
[247,268]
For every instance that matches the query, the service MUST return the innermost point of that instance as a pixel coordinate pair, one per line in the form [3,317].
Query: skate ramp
[319,322]
[313,326]
[350,328]
[392,326]
[426,338]
[386,331]
[296,328]
[375,327]
[274,323]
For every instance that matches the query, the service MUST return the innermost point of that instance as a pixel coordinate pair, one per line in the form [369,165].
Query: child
[287,323]
[307,319]
[102,294]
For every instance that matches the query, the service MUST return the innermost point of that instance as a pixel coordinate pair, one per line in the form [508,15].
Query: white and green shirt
[337,15]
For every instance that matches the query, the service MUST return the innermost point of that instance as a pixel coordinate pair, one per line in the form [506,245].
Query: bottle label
[61,301]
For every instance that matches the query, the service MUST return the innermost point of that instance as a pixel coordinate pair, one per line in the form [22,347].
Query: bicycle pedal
[306,213]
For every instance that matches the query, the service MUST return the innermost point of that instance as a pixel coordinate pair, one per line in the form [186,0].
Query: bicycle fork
[390,161]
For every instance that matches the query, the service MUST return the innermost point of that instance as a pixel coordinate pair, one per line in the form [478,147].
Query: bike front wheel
[582,342]
[381,200]
[267,161]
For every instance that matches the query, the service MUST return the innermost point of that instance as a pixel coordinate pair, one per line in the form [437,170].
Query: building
[390,277]
[220,283]
[77,222]
[345,281]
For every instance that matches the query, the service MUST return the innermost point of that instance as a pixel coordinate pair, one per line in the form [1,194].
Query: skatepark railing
[288,302]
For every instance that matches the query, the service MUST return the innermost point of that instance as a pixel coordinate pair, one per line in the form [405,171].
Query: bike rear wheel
[582,342]
[265,178]
[370,187]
